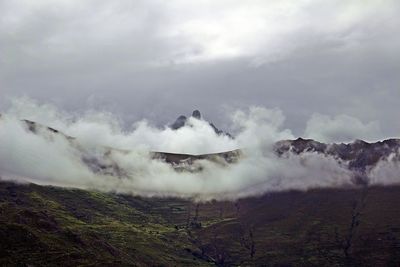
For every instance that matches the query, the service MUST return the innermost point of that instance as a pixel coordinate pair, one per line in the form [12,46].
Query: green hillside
[50,226]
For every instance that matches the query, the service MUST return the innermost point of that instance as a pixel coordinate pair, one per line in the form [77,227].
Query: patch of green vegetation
[47,226]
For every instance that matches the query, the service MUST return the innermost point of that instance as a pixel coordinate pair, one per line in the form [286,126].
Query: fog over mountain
[90,92]
[199,133]
[92,151]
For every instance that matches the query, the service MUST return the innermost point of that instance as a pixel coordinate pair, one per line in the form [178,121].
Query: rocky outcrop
[359,154]
[179,123]
[196,114]
[182,120]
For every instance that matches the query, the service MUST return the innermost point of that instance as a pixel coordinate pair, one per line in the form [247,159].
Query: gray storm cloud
[153,59]
[50,159]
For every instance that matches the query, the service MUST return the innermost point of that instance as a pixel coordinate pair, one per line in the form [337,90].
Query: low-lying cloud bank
[49,158]
[341,127]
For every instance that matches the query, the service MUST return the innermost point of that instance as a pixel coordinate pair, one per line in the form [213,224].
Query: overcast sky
[336,62]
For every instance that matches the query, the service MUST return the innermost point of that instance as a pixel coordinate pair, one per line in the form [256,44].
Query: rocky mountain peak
[181,121]
[196,114]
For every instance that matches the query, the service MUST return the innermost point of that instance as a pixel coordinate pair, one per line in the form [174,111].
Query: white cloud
[50,159]
[186,31]
[266,30]
[386,172]
[341,128]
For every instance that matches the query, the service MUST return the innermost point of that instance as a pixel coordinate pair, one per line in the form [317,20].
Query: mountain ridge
[360,155]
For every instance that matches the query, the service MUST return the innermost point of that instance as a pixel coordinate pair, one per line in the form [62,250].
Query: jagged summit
[196,114]
[182,119]
[179,122]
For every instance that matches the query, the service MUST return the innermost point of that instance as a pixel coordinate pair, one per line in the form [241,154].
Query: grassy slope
[49,226]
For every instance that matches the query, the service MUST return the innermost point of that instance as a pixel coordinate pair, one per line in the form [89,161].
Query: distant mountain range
[358,156]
